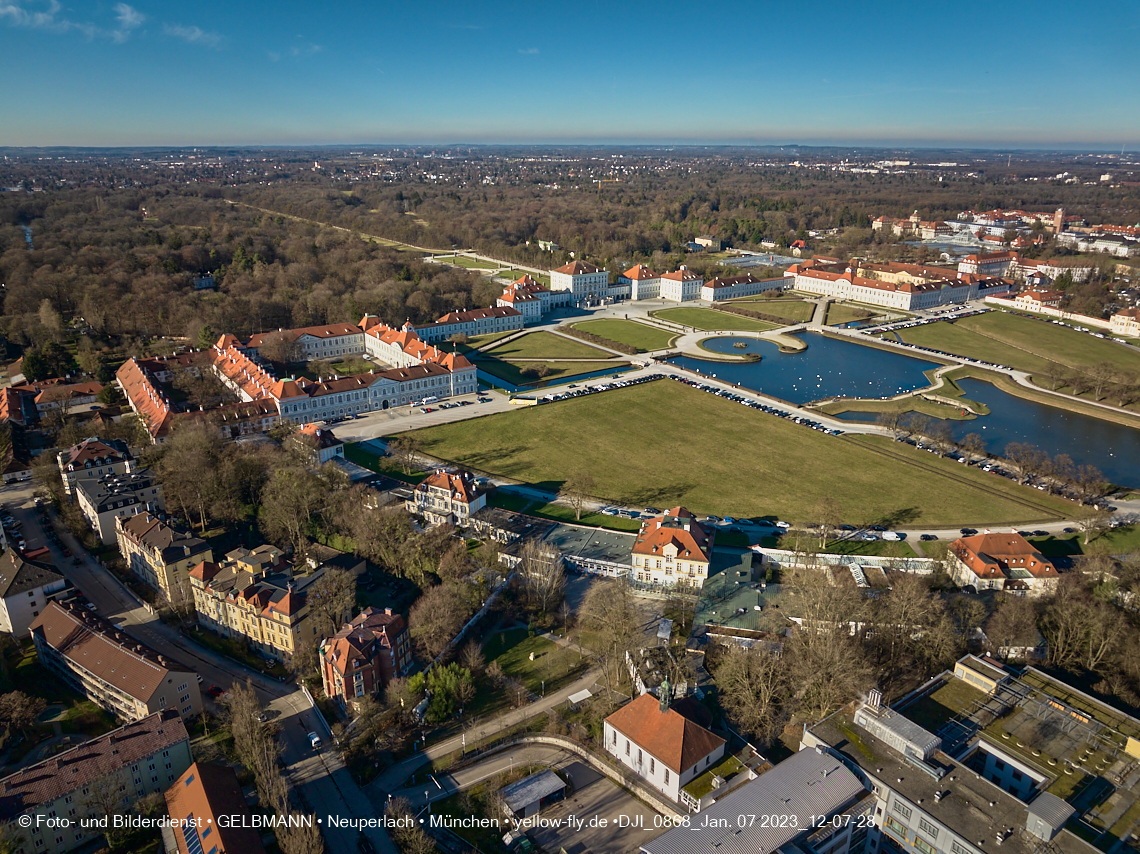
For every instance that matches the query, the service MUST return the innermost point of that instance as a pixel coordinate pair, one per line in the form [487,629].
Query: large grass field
[711,320]
[838,313]
[639,335]
[545,345]
[663,444]
[1021,342]
[792,310]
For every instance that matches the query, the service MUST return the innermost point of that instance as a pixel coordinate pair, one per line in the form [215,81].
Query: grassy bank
[712,320]
[644,338]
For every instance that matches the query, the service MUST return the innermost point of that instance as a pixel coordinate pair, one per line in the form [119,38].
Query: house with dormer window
[673,548]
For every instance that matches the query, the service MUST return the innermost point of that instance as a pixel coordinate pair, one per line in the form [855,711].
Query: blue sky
[1032,74]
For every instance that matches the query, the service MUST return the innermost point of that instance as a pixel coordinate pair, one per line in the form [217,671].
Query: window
[639,757]
[928,828]
[924,846]
[893,824]
[958,848]
[902,809]
[999,764]
[615,737]
[666,776]
[652,765]
[627,747]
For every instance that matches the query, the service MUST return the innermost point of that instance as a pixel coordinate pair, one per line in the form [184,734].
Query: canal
[832,367]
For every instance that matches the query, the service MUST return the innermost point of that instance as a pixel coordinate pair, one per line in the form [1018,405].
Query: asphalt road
[323,782]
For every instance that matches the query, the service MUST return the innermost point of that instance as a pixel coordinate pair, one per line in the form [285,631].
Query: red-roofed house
[94,458]
[365,655]
[211,796]
[643,282]
[1000,562]
[673,548]
[730,287]
[447,498]
[580,279]
[1038,299]
[320,443]
[477,321]
[1126,322]
[660,745]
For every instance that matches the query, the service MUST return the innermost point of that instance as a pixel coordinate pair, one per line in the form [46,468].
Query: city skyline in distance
[214,74]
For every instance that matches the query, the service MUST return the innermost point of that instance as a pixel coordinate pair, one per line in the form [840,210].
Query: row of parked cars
[755,404]
[950,314]
[574,390]
[13,530]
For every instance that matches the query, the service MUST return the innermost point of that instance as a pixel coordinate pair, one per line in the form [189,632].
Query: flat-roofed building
[201,795]
[810,802]
[118,768]
[112,496]
[110,668]
[161,555]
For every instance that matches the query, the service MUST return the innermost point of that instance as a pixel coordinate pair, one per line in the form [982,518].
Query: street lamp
[544,687]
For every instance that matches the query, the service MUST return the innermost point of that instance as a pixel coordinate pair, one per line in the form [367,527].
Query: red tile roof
[97,452]
[640,272]
[577,268]
[669,736]
[47,781]
[995,555]
[206,792]
[678,527]
[146,397]
[460,485]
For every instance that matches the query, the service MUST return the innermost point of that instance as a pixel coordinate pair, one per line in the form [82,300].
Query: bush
[598,339]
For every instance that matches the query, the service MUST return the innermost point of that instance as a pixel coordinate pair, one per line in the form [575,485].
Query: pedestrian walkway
[394,776]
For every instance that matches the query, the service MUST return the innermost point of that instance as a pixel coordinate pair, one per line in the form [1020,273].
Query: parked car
[314,740]
[215,691]
[894,536]
[364,844]
[968,532]
[927,538]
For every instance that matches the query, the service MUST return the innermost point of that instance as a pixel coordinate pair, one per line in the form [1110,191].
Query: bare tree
[576,490]
[436,618]
[331,600]
[19,711]
[609,613]
[281,347]
[1092,521]
[892,420]
[1012,626]
[299,837]
[750,683]
[406,450]
[828,515]
[1030,460]
[542,575]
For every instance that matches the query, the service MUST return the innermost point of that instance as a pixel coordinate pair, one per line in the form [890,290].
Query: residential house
[196,801]
[447,498]
[673,548]
[116,672]
[254,596]
[1036,299]
[318,443]
[365,655]
[113,495]
[660,745]
[1000,562]
[26,587]
[94,458]
[523,295]
[133,761]
[1126,322]
[707,241]
[161,555]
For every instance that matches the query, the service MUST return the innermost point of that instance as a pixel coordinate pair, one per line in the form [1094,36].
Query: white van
[894,536]
[428,401]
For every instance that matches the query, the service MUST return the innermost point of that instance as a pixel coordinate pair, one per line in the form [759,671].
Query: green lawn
[355,452]
[512,372]
[792,310]
[483,340]
[639,335]
[545,345]
[515,275]
[838,313]
[555,664]
[711,320]
[750,465]
[1021,342]
[353,365]
[469,263]
[878,548]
